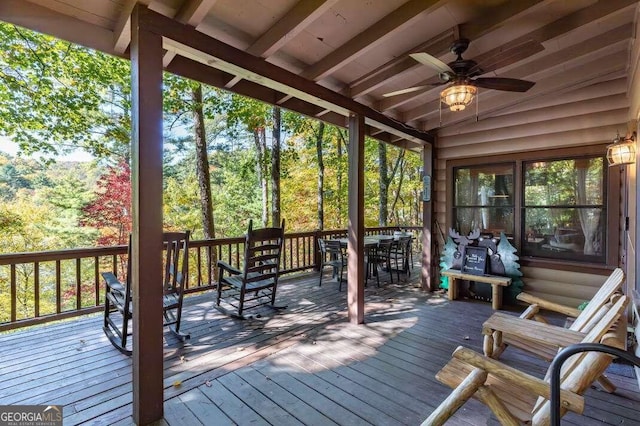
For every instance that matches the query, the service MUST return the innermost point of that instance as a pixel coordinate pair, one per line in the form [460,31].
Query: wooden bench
[496,282]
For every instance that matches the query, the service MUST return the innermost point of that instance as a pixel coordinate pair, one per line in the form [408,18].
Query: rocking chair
[257,282]
[118,307]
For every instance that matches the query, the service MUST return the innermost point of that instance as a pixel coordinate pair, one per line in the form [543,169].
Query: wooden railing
[47,286]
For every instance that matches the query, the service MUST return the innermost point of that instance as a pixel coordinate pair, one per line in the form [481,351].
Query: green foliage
[509,259]
[236,195]
[446,260]
[56,96]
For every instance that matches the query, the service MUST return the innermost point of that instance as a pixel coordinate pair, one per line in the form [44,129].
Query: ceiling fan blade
[432,61]
[507,84]
[407,90]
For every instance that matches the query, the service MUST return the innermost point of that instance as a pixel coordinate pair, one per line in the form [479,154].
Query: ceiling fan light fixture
[458,96]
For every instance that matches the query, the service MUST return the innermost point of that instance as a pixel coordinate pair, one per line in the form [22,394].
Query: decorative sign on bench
[474,261]
[500,261]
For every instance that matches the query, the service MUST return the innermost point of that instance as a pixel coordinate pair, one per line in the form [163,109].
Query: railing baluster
[14,293]
[78,286]
[96,278]
[210,260]
[36,289]
[58,288]
[291,254]
[199,261]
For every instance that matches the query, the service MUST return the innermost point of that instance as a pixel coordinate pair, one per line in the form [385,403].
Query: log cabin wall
[553,124]
[633,193]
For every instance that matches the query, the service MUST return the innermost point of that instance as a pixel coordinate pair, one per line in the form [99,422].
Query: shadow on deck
[304,365]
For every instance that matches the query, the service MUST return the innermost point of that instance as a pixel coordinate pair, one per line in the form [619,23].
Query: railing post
[317,261]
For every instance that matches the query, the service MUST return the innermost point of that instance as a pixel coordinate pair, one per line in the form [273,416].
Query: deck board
[304,365]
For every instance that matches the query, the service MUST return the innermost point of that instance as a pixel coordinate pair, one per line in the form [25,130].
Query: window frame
[611,193]
[456,207]
[524,207]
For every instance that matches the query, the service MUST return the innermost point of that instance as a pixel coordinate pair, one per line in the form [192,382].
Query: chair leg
[107,309]
[241,305]
[175,327]
[321,272]
[457,398]
[125,329]
[273,296]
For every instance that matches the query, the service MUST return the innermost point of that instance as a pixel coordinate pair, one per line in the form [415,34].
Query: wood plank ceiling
[360,48]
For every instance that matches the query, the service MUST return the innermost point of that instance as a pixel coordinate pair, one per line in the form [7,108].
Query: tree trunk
[202,165]
[204,181]
[319,137]
[275,168]
[260,141]
[394,213]
[384,185]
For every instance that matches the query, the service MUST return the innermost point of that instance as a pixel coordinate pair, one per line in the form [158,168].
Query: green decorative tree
[509,259]
[446,260]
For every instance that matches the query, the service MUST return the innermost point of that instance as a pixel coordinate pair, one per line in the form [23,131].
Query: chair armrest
[533,331]
[568,400]
[550,306]
[224,265]
[112,282]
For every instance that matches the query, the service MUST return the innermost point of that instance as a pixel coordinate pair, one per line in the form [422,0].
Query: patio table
[371,242]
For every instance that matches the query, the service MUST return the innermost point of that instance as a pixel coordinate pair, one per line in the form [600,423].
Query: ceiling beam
[402,17]
[47,21]
[554,62]
[198,46]
[291,24]
[439,45]
[192,13]
[122,29]
[197,71]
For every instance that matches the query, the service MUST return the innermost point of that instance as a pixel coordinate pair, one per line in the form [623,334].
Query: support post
[427,273]
[146,181]
[355,267]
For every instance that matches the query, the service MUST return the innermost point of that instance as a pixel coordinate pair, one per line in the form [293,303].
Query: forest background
[227,160]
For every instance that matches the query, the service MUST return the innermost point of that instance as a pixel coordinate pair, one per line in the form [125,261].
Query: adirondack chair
[544,340]
[584,320]
[257,281]
[118,305]
[514,396]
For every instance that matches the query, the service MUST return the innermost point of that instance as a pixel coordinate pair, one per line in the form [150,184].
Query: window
[564,213]
[555,205]
[484,199]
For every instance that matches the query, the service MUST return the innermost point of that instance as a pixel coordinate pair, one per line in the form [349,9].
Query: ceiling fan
[462,74]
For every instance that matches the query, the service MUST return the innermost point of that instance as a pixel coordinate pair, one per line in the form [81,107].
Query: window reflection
[564,212]
[484,199]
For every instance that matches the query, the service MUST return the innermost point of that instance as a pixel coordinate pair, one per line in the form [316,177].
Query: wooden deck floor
[304,365]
